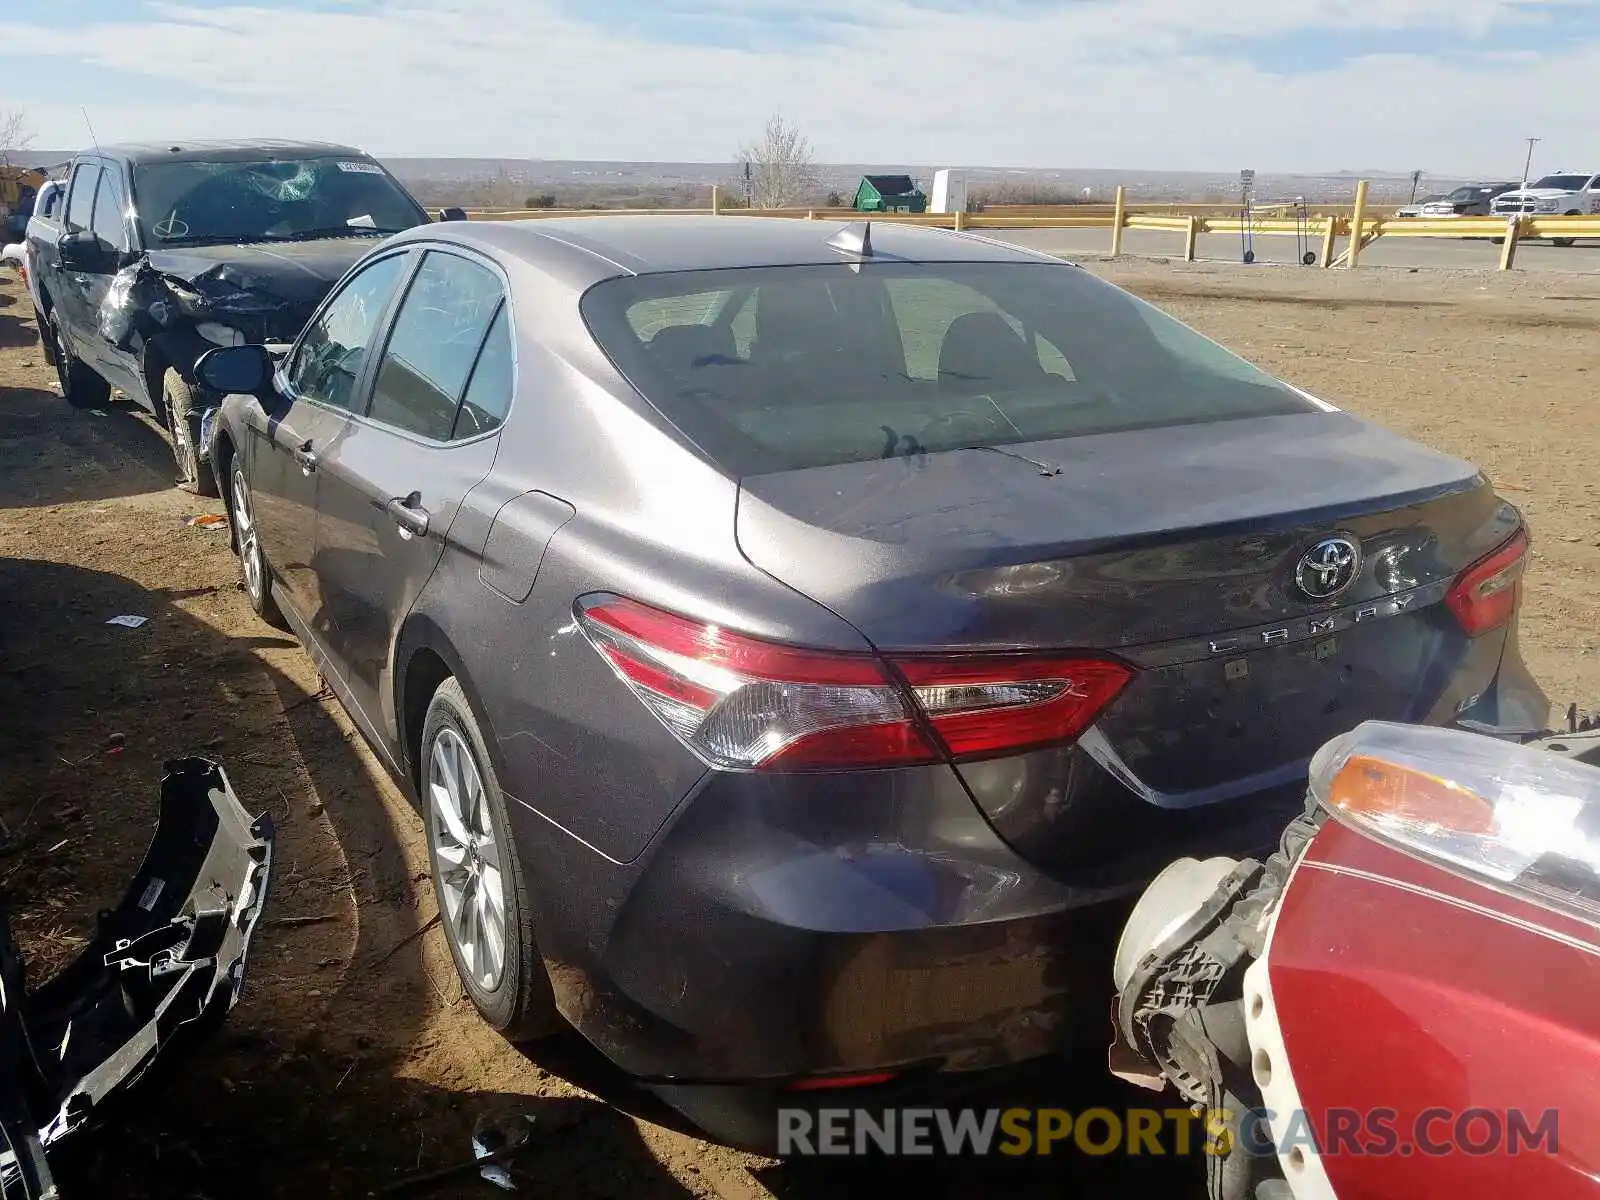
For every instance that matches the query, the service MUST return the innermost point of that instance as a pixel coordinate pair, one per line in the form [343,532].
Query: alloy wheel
[255,570]
[471,883]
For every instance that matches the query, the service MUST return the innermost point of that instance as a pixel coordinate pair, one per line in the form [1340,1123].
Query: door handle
[407,512]
[306,459]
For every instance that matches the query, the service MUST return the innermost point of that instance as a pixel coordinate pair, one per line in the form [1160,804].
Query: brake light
[739,701]
[1486,594]
[829,1083]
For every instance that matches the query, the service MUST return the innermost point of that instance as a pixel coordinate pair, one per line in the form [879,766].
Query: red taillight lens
[742,702]
[983,706]
[829,1083]
[1486,594]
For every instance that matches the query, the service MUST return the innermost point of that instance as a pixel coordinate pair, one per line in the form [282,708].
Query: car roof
[604,246]
[244,150]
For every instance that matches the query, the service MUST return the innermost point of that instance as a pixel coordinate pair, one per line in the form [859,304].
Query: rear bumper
[789,927]
[782,927]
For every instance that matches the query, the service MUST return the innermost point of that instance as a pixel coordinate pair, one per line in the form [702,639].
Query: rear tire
[475,869]
[80,387]
[177,403]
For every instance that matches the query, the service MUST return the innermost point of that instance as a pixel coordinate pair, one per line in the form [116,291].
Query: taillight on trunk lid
[739,701]
[1485,595]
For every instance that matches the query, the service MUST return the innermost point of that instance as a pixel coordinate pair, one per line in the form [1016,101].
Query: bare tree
[782,166]
[15,134]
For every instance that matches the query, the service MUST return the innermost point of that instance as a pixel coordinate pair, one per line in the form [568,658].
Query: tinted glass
[107,224]
[276,200]
[489,393]
[329,359]
[1569,182]
[782,368]
[80,208]
[436,339]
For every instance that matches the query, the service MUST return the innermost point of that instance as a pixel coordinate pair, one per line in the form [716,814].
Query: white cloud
[1137,84]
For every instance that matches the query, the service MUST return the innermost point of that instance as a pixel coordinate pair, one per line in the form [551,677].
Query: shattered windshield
[270,200]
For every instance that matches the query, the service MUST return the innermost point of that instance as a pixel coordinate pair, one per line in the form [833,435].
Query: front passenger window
[335,345]
[437,336]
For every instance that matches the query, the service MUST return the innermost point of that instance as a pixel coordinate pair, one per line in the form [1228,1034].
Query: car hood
[168,962]
[291,272]
[1537,194]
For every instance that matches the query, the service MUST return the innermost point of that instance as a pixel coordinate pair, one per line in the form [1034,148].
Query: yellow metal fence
[1327,224]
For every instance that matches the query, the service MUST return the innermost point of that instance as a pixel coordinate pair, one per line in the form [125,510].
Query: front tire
[1566,243]
[177,404]
[478,879]
[253,567]
[80,387]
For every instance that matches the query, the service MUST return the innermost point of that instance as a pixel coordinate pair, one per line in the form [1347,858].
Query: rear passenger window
[437,338]
[80,209]
[489,391]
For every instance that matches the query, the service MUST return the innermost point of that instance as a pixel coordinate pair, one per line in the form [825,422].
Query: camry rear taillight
[740,701]
[1485,595]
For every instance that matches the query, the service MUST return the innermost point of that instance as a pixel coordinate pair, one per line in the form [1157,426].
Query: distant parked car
[1414,209]
[801,640]
[1473,200]
[1565,194]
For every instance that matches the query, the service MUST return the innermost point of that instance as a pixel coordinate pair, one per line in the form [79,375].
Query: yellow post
[1117,218]
[1357,218]
[1508,252]
[961,220]
[1190,237]
[716,201]
[1330,237]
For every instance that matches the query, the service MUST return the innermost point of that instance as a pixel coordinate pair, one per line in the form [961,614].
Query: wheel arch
[223,452]
[424,658]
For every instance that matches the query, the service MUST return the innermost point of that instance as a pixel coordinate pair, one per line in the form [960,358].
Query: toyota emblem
[1328,568]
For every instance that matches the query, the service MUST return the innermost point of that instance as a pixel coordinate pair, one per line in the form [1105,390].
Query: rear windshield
[771,369]
[286,199]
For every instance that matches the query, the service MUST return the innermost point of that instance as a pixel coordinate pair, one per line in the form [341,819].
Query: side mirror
[80,250]
[244,370]
[452,214]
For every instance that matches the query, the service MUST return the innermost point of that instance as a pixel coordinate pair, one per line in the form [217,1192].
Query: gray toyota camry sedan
[802,640]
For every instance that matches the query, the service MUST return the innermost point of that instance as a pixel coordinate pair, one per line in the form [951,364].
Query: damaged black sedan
[164,252]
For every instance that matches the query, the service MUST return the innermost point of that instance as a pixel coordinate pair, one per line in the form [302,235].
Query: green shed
[890,193]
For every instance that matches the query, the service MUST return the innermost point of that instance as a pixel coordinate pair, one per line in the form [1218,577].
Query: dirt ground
[354,1066]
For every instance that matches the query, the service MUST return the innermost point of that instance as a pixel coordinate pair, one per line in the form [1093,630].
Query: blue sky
[1446,85]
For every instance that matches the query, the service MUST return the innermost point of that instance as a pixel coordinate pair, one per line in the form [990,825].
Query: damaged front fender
[164,967]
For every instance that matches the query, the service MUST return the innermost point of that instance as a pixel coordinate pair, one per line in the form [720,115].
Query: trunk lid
[1178,549]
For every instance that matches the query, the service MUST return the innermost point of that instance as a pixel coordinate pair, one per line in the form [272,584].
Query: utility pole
[1416,178]
[1527,166]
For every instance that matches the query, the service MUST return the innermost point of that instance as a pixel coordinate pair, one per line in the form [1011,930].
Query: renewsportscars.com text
[1018,1132]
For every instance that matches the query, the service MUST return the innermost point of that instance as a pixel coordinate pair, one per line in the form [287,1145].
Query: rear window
[771,369]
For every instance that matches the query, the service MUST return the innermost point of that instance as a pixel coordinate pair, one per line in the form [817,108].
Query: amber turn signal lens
[1383,793]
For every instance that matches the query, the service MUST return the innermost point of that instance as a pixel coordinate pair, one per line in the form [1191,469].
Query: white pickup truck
[1561,194]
